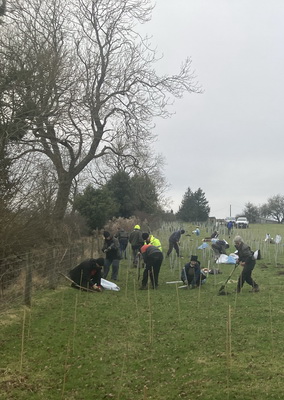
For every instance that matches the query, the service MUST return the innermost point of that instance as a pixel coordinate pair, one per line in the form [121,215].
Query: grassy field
[165,344]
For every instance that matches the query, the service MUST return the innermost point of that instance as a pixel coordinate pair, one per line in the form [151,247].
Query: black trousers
[135,251]
[173,245]
[123,245]
[152,269]
[246,276]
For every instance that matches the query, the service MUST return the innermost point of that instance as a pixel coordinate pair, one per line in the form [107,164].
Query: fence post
[99,245]
[92,244]
[52,269]
[82,249]
[28,283]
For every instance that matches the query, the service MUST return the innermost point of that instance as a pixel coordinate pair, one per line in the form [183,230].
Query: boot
[255,289]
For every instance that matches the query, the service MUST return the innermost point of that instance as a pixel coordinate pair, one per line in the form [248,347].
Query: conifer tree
[194,206]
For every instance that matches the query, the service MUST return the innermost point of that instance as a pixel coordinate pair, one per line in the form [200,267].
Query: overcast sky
[229,140]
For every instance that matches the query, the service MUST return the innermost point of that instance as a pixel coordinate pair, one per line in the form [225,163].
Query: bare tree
[274,208]
[252,212]
[77,78]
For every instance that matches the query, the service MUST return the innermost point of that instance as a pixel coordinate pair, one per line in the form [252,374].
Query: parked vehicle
[242,222]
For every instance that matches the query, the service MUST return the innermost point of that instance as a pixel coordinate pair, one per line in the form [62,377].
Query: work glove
[97,288]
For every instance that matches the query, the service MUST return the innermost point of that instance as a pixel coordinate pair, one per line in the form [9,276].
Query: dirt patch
[9,382]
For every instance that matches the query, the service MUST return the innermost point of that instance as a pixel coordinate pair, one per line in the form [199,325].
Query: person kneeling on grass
[191,274]
[88,274]
[153,258]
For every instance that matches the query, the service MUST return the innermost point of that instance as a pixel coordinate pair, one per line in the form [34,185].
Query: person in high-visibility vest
[151,239]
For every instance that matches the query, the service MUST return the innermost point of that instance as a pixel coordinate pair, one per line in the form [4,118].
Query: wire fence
[22,275]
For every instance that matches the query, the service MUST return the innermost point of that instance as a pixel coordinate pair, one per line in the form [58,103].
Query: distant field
[166,344]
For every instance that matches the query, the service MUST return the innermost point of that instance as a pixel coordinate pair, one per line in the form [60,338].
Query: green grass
[165,344]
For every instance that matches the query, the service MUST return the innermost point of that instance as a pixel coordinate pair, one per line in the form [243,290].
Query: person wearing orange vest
[153,258]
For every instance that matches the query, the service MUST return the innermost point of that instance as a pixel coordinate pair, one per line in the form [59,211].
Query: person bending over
[174,242]
[88,274]
[247,261]
[153,258]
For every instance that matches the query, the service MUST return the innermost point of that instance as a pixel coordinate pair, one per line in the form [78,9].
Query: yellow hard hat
[137,227]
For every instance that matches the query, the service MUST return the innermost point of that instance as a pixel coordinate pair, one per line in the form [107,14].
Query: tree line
[122,196]
[195,208]
[273,209]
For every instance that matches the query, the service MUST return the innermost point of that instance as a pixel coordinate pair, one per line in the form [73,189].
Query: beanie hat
[193,258]
[100,262]
[137,227]
[145,235]
[106,234]
[182,231]
[94,262]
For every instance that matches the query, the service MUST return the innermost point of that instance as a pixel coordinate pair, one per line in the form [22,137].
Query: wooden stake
[178,302]
[74,322]
[150,312]
[229,338]
[271,326]
[22,342]
[66,368]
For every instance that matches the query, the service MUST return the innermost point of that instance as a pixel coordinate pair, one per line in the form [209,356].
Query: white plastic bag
[107,285]
[224,259]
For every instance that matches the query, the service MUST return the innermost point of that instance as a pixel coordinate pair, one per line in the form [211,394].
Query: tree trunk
[63,193]
[2,7]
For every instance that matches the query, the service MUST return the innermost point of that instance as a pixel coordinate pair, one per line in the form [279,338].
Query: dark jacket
[175,237]
[214,235]
[135,239]
[191,273]
[122,236]
[111,249]
[152,252]
[246,254]
[86,274]
[221,246]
